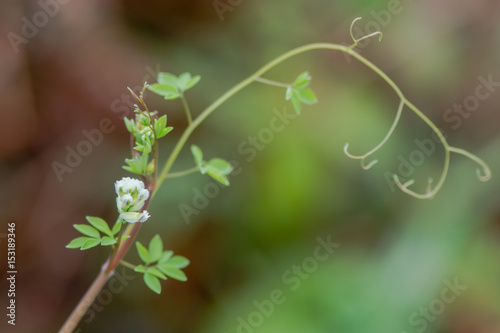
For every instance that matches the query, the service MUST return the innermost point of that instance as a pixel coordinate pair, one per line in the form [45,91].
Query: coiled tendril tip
[366,167]
[487,174]
[356,40]
[362,158]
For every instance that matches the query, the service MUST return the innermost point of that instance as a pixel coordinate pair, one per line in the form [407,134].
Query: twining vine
[134,195]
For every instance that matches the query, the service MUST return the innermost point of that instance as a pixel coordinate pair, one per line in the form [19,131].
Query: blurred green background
[400,265]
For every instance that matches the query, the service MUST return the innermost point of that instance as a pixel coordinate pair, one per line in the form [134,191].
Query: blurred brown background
[65,67]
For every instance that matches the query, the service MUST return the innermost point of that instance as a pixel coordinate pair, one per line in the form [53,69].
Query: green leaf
[131,169]
[100,225]
[160,125]
[156,272]
[152,282]
[197,154]
[87,230]
[143,148]
[167,78]
[143,252]
[105,241]
[296,101]
[192,82]
[144,120]
[77,243]
[220,165]
[116,227]
[307,96]
[221,178]
[182,80]
[168,91]
[140,269]
[91,242]
[130,125]
[218,169]
[166,255]
[162,121]
[288,94]
[155,248]
[164,132]
[302,80]
[178,261]
[138,164]
[172,272]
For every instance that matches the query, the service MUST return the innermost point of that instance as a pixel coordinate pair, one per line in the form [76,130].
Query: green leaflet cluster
[216,168]
[159,264]
[172,87]
[93,235]
[146,129]
[298,92]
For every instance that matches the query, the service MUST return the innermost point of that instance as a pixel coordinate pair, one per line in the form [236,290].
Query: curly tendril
[483,175]
[356,41]
[363,157]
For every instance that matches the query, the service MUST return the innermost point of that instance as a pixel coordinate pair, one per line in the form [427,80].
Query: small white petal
[137,205]
[126,199]
[119,204]
[130,217]
[143,194]
[144,216]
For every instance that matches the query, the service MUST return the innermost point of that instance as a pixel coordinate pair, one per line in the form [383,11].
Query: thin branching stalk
[155,182]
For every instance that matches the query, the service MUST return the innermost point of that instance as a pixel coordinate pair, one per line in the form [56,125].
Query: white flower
[131,197]
[126,199]
[133,217]
[143,194]
[144,216]
[136,206]
[128,185]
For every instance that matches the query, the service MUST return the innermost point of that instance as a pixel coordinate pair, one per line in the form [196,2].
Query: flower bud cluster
[131,197]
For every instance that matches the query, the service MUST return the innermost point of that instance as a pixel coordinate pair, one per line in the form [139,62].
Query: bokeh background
[397,256]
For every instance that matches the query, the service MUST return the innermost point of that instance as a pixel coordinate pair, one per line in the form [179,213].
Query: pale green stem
[183,173]
[272,83]
[127,264]
[363,157]
[349,50]
[115,250]
[486,168]
[186,109]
